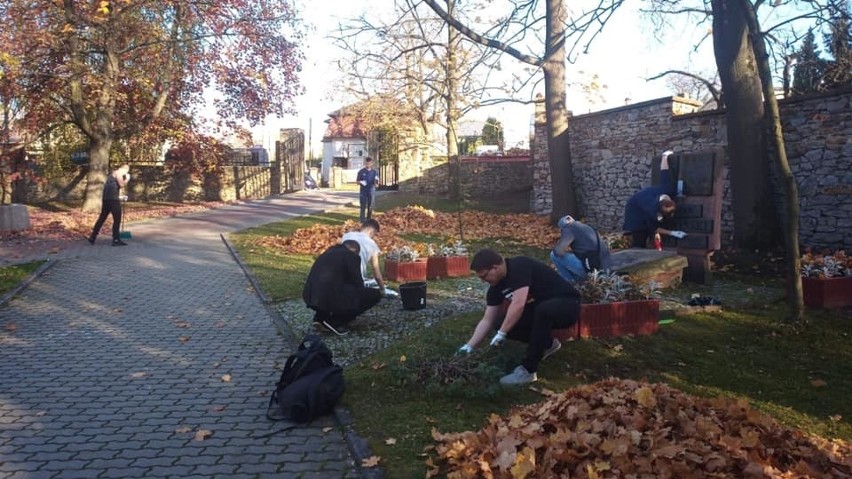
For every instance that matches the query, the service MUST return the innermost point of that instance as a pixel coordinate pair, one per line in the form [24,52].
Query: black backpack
[310,384]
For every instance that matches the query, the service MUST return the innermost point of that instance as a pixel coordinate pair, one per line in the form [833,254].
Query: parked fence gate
[289,171]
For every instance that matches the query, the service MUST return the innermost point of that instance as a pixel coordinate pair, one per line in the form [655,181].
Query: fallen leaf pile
[529,229]
[623,428]
[70,224]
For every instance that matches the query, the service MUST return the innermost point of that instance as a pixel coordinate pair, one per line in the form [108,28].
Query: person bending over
[648,208]
[335,288]
[579,251]
[526,301]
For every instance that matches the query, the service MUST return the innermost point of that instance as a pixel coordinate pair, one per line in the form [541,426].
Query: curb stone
[26,282]
[357,445]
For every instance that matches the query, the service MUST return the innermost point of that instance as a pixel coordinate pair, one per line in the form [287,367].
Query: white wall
[353,148]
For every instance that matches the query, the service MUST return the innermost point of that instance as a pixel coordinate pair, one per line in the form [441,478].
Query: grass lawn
[11,276]
[802,376]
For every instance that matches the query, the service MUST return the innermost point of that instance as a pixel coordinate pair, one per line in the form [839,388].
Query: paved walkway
[155,360]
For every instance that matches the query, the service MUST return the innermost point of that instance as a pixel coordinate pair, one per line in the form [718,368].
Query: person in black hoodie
[111,204]
[335,288]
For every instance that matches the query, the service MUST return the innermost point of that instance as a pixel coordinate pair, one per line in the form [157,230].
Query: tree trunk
[98,171]
[793,263]
[453,157]
[755,220]
[558,146]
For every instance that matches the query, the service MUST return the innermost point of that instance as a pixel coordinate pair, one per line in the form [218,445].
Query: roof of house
[341,126]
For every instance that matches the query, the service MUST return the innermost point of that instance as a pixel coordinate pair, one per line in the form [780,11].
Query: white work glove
[465,349]
[498,338]
[667,153]
[123,198]
[362,183]
[678,234]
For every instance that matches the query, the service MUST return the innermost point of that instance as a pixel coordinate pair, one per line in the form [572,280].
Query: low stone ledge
[643,265]
[14,217]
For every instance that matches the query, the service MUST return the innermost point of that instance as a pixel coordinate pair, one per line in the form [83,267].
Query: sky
[628,51]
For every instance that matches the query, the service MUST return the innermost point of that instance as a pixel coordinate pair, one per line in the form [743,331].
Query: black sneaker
[338,330]
[118,242]
[90,240]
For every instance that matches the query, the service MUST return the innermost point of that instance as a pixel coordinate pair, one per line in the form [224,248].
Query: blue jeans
[569,267]
[366,199]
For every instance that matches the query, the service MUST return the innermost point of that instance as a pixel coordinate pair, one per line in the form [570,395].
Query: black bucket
[413,295]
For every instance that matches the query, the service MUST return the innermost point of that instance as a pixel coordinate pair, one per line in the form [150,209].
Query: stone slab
[14,217]
[665,267]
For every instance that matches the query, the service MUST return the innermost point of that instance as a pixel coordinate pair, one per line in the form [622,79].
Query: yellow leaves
[226,378]
[202,434]
[623,428]
[818,383]
[390,441]
[524,464]
[645,397]
[371,461]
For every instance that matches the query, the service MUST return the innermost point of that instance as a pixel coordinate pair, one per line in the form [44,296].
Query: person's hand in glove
[498,339]
[123,198]
[678,234]
[465,349]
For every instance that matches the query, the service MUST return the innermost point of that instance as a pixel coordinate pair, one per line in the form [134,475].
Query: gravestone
[697,179]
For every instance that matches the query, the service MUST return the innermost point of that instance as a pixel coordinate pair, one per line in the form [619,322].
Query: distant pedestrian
[335,288]
[647,209]
[111,204]
[579,251]
[368,179]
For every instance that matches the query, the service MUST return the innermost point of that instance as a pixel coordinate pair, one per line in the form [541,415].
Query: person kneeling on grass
[526,301]
[335,288]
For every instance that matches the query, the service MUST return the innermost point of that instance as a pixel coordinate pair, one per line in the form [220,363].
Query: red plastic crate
[405,272]
[618,319]
[447,267]
[827,292]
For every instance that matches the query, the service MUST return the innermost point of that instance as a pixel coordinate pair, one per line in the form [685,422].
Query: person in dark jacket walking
[111,204]
[367,179]
[647,209]
[335,288]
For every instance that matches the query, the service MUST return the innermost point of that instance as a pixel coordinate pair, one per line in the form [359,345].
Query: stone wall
[612,151]
[155,183]
[481,176]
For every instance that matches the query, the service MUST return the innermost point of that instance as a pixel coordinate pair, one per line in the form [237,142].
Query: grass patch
[11,276]
[512,202]
[281,275]
[729,353]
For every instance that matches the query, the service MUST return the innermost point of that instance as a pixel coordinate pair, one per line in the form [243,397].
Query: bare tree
[524,18]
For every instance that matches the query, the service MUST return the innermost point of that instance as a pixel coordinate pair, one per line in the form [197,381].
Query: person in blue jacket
[367,178]
[648,208]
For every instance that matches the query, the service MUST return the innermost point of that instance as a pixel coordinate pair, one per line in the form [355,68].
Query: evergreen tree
[809,69]
[838,72]
[492,133]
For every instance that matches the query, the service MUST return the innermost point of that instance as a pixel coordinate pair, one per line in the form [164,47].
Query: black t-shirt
[543,281]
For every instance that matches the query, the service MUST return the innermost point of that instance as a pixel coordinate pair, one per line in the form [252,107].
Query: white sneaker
[519,376]
[556,346]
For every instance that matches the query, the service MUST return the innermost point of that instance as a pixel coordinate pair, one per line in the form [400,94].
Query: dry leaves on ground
[623,428]
[73,224]
[529,229]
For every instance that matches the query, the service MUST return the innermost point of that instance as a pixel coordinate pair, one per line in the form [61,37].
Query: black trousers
[639,239]
[367,298]
[109,207]
[537,324]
